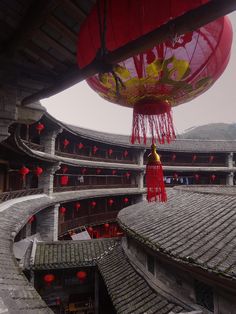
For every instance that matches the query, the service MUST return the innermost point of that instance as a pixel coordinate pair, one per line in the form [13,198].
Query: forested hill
[213,131]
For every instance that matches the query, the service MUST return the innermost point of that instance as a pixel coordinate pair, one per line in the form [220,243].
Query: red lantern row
[49,278]
[24,171]
[194,158]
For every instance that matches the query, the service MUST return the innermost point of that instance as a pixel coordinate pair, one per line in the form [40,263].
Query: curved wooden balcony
[89,187]
[5,196]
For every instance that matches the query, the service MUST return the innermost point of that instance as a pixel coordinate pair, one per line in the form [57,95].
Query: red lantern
[48,279]
[38,171]
[106,226]
[213,177]
[197,177]
[110,151]
[126,200]
[80,145]
[83,170]
[81,275]
[31,219]
[173,157]
[98,171]
[24,171]
[40,127]
[211,158]
[175,176]
[95,149]
[113,172]
[154,177]
[66,143]
[63,210]
[93,204]
[126,153]
[64,180]
[169,74]
[194,158]
[77,205]
[127,174]
[90,230]
[110,202]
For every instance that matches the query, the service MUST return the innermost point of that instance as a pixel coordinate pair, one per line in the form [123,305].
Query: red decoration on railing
[93,204]
[110,151]
[126,153]
[40,127]
[173,157]
[31,219]
[83,170]
[48,279]
[95,149]
[127,174]
[38,171]
[211,158]
[66,143]
[80,145]
[77,205]
[81,275]
[194,158]
[114,172]
[196,177]
[63,210]
[24,171]
[126,200]
[110,202]
[98,171]
[64,180]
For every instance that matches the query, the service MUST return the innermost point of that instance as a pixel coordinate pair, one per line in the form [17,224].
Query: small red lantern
[40,127]
[154,177]
[194,158]
[81,275]
[95,149]
[110,202]
[64,180]
[211,158]
[83,170]
[113,172]
[90,230]
[126,153]
[63,210]
[80,145]
[93,204]
[106,226]
[127,174]
[213,177]
[197,177]
[173,157]
[126,200]
[64,169]
[66,143]
[24,171]
[77,205]
[31,219]
[110,151]
[48,279]
[38,171]
[98,171]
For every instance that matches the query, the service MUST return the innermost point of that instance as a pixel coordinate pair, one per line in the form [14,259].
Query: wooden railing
[89,187]
[34,146]
[194,164]
[86,220]
[94,158]
[5,196]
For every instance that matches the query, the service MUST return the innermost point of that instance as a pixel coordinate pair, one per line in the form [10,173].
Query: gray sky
[81,106]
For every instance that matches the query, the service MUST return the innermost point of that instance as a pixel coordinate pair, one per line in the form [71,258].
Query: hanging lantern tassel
[154,177]
[154,117]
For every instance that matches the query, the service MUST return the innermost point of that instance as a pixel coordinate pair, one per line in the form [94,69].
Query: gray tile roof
[69,254]
[196,226]
[129,292]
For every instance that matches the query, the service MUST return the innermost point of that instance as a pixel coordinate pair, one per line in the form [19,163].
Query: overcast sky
[81,106]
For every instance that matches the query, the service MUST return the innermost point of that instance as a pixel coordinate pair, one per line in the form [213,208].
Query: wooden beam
[62,28]
[187,22]
[73,10]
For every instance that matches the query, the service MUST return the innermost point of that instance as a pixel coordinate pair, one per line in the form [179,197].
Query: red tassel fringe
[150,119]
[155,183]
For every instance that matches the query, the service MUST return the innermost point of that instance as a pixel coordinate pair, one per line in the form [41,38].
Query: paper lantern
[127,175]
[24,171]
[154,177]
[211,158]
[81,275]
[64,180]
[90,230]
[106,226]
[63,210]
[126,153]
[173,157]
[95,149]
[194,158]
[98,171]
[48,279]
[126,200]
[38,171]
[83,170]
[65,143]
[40,127]
[169,74]
[77,205]
[114,172]
[213,178]
[80,145]
[110,151]
[110,202]
[93,204]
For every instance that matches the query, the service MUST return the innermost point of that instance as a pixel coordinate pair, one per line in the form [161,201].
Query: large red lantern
[48,279]
[38,171]
[81,275]
[169,74]
[24,171]
[154,177]
[40,127]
